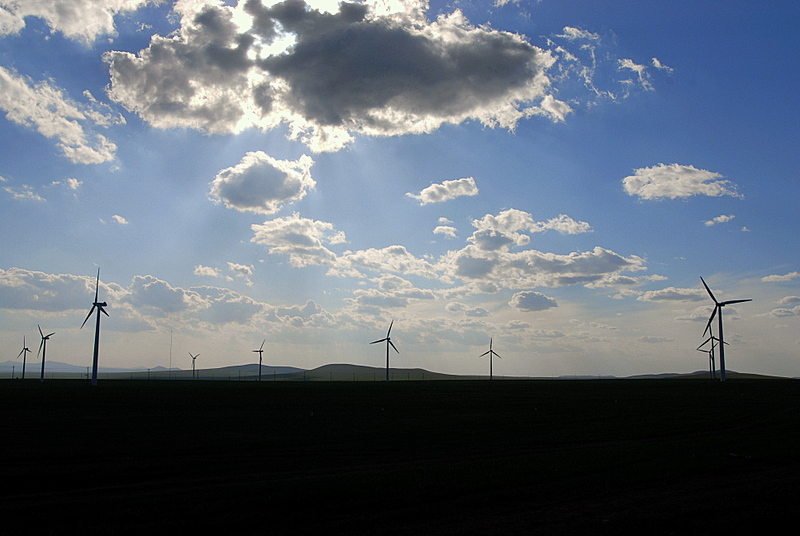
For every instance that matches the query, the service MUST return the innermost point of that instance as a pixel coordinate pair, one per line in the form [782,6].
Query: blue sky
[554,175]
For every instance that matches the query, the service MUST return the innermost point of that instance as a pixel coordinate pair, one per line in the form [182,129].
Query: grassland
[412,457]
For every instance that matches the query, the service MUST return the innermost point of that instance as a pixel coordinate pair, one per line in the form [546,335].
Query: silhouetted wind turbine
[43,348]
[193,359]
[491,353]
[712,368]
[100,307]
[718,307]
[259,352]
[24,354]
[389,342]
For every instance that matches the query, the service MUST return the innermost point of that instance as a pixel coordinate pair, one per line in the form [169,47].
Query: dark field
[450,457]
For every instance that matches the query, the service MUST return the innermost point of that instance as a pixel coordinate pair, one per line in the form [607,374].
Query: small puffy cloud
[780,278]
[565,225]
[446,230]
[241,270]
[472,312]
[206,271]
[119,219]
[673,294]
[532,301]
[640,70]
[373,68]
[302,239]
[789,300]
[572,33]
[81,20]
[658,65]
[447,190]
[506,228]
[672,181]
[262,184]
[44,107]
[719,219]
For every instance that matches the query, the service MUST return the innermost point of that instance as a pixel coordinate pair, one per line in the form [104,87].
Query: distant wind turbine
[491,353]
[100,307]
[24,354]
[193,359]
[43,348]
[389,342]
[259,352]
[718,308]
[712,365]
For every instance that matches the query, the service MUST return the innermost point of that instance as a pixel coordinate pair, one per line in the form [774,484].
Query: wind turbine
[389,342]
[259,352]
[718,307]
[193,359]
[43,348]
[24,354]
[100,307]
[491,353]
[713,340]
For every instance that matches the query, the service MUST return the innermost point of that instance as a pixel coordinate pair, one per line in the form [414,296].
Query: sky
[556,176]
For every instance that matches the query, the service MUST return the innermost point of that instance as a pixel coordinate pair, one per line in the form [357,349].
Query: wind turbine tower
[259,352]
[389,342]
[491,353]
[24,354]
[43,349]
[100,307]
[718,308]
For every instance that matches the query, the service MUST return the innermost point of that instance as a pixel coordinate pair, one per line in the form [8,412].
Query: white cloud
[44,107]
[658,65]
[673,294]
[780,278]
[790,300]
[446,230]
[640,70]
[300,238]
[674,180]
[719,219]
[447,190]
[373,68]
[241,270]
[23,193]
[119,219]
[81,20]
[262,184]
[206,271]
[532,301]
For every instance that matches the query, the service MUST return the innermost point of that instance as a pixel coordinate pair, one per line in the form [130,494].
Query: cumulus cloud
[446,230]
[507,228]
[40,291]
[302,239]
[262,184]
[206,271]
[789,300]
[672,181]
[241,270]
[532,301]
[81,20]
[780,278]
[44,107]
[374,68]
[673,294]
[447,190]
[719,219]
[119,219]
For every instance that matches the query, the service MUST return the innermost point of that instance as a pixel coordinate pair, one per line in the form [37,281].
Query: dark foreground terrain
[477,457]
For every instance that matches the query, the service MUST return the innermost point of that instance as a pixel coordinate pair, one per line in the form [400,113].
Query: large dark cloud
[354,71]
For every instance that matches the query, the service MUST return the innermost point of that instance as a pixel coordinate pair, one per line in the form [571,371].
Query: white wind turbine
[389,342]
[259,352]
[194,357]
[100,307]
[491,353]
[43,348]
[718,308]
[24,354]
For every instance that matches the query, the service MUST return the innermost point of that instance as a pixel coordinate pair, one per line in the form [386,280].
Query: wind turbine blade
[88,316]
[709,291]
[734,301]
[262,344]
[40,348]
[97,285]
[393,346]
[484,353]
[390,328]
[40,331]
[380,340]
[711,319]
[21,352]
[496,355]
